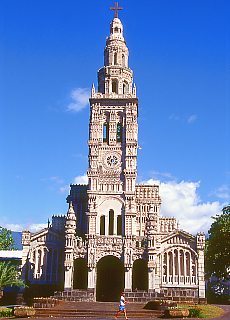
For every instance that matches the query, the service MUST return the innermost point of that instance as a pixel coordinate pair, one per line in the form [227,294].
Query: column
[41,271]
[173,266]
[190,267]
[167,266]
[42,263]
[128,278]
[91,278]
[151,276]
[51,265]
[157,275]
[185,271]
[106,224]
[45,263]
[178,261]
[68,271]
[115,224]
[36,264]
[56,266]
[68,277]
[201,280]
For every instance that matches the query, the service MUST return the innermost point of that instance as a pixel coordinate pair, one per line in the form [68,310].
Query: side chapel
[113,225]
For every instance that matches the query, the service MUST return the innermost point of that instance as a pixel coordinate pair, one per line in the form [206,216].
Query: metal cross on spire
[116,8]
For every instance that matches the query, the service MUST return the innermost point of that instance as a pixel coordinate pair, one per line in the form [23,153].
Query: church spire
[115,77]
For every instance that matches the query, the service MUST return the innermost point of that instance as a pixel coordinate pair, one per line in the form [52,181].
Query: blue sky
[50,52]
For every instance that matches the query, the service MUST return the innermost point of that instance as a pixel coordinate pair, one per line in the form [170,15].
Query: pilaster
[26,239]
[200,268]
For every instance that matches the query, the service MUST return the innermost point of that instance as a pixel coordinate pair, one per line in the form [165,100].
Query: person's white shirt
[122,301]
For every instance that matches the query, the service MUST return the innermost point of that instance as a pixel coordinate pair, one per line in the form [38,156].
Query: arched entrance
[110,279]
[140,275]
[80,274]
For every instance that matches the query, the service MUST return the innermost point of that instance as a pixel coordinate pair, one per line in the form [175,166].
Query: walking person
[122,306]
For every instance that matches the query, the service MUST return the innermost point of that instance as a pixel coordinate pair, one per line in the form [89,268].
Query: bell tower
[112,141]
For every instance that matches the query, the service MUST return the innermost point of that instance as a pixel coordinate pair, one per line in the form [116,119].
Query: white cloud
[174,117]
[56,179]
[76,180]
[19,227]
[181,200]
[81,179]
[14,227]
[164,175]
[64,189]
[80,98]
[35,227]
[192,118]
[223,192]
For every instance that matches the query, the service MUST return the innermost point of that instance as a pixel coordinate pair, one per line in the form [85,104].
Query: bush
[195,313]
[175,312]
[159,304]
[5,312]
[24,311]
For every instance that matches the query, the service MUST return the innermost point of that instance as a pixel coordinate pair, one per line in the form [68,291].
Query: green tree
[217,260]
[6,239]
[9,276]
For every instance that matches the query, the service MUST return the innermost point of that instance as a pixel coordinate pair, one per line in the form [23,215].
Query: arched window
[116,29]
[102,225]
[39,260]
[105,132]
[123,60]
[176,269]
[187,257]
[182,271]
[170,257]
[114,86]
[119,132]
[119,225]
[115,58]
[111,222]
[125,88]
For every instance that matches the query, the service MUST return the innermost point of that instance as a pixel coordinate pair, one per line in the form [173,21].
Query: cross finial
[116,8]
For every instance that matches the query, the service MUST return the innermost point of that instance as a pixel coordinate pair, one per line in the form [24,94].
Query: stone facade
[114,217]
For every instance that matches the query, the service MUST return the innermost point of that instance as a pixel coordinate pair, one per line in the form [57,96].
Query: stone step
[96,313]
[96,310]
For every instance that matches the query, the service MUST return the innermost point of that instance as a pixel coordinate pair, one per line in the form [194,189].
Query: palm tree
[9,276]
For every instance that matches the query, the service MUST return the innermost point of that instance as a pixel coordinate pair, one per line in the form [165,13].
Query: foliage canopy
[218,246]
[9,275]
[6,239]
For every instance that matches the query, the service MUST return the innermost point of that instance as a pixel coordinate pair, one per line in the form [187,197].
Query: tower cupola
[116,30]
[115,78]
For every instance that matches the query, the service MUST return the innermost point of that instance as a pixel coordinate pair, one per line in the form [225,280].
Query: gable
[179,237]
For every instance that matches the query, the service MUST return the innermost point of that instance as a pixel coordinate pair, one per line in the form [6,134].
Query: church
[113,237]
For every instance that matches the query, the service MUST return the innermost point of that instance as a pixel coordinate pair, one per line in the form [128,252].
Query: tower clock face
[111,160]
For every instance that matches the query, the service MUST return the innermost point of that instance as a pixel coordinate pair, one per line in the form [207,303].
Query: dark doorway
[80,274]
[140,275]
[110,279]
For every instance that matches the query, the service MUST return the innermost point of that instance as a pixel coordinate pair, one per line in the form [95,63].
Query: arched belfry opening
[140,275]
[114,86]
[123,60]
[80,274]
[119,132]
[111,222]
[105,132]
[115,58]
[102,225]
[110,279]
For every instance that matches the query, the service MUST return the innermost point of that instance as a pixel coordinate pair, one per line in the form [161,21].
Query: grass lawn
[207,310]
